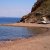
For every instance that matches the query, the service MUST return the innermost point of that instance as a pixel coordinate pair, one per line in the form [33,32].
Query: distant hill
[39,10]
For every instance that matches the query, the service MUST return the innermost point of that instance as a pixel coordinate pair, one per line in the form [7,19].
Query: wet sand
[39,42]
[34,43]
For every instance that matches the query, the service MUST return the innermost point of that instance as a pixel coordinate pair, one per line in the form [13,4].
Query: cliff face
[39,10]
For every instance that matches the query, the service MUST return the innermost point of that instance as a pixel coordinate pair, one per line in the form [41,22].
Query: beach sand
[39,42]
[26,25]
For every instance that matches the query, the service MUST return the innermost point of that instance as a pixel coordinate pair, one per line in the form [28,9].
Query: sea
[6,20]
[11,33]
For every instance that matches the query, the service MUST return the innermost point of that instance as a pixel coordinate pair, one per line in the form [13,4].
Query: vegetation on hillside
[39,10]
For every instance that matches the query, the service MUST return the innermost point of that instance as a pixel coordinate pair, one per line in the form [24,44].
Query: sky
[15,8]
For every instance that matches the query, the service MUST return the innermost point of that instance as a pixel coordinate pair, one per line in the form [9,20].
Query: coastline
[27,25]
[39,42]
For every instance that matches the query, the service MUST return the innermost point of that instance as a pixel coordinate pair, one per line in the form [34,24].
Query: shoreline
[39,42]
[27,25]
[34,43]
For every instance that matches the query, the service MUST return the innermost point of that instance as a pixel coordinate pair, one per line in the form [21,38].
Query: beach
[27,25]
[36,43]
[24,24]
[39,42]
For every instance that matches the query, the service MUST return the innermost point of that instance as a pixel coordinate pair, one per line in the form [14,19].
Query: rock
[39,10]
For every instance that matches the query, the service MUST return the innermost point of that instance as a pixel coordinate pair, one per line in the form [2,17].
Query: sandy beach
[39,42]
[34,43]
[27,25]
[24,24]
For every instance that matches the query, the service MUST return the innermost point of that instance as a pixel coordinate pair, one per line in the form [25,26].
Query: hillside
[39,10]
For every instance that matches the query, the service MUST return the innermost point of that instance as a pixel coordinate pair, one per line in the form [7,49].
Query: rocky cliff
[39,10]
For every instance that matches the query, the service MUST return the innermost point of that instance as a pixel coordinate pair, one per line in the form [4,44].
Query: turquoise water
[7,33]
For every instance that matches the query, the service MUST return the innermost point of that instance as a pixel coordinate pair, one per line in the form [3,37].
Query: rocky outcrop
[39,10]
